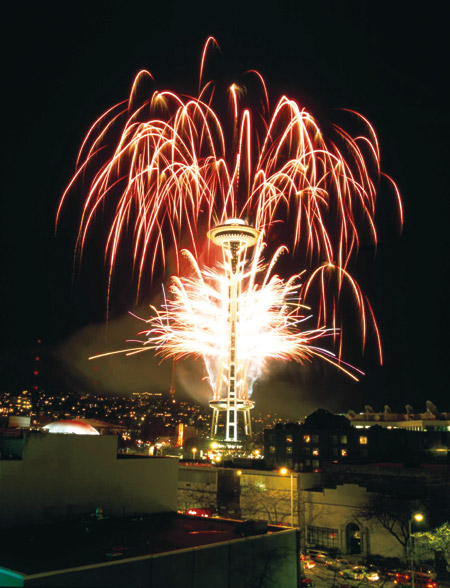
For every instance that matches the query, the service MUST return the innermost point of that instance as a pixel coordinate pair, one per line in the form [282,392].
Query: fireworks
[173,172]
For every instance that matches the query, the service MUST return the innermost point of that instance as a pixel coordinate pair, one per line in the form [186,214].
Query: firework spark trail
[175,171]
[194,321]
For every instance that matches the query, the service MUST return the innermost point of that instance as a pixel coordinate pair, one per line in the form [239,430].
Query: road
[325,578]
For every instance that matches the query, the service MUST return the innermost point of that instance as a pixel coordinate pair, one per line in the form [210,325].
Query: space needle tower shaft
[231,394]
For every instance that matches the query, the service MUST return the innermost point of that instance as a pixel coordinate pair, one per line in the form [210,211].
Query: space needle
[234,237]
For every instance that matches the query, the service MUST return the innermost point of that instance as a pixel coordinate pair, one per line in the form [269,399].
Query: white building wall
[338,507]
[60,476]
[197,487]
[267,495]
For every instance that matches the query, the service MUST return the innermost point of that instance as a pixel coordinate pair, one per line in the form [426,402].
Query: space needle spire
[234,237]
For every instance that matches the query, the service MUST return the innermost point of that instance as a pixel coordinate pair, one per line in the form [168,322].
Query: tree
[269,504]
[197,496]
[435,543]
[393,513]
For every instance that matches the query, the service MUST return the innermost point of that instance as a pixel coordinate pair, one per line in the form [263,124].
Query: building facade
[74,474]
[328,438]
[328,506]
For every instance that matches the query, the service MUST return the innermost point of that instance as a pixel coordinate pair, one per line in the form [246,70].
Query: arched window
[353,539]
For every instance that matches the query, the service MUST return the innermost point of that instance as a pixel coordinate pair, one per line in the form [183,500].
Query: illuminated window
[322,537]
[306,439]
[288,438]
[363,440]
[315,451]
[289,450]
[272,449]
[343,452]
[344,439]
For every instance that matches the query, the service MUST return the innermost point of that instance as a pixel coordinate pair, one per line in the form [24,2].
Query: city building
[159,551]
[75,512]
[430,420]
[331,507]
[329,438]
[72,474]
[208,487]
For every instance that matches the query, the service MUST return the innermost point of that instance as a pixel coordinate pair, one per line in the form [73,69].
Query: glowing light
[194,321]
[180,434]
[70,427]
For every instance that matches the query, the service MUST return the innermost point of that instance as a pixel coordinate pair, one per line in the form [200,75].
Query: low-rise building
[158,551]
[74,512]
[48,477]
[330,507]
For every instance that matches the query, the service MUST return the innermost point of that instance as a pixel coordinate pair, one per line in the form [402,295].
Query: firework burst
[169,171]
[194,320]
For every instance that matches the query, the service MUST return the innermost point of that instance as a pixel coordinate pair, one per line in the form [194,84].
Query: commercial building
[74,512]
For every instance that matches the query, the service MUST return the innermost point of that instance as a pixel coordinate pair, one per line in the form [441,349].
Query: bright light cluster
[194,321]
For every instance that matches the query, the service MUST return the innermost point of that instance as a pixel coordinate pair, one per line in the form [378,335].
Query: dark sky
[389,61]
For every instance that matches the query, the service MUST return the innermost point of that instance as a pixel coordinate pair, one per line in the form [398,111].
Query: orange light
[180,434]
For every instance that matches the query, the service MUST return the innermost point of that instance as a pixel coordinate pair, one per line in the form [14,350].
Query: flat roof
[88,540]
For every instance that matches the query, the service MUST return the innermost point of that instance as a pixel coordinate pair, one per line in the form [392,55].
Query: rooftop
[92,540]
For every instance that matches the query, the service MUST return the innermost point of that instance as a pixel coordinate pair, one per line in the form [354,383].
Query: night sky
[66,66]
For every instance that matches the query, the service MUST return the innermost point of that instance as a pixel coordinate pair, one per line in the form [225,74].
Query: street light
[285,472]
[194,451]
[418,517]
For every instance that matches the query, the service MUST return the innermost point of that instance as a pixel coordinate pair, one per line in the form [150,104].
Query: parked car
[334,564]
[428,571]
[318,556]
[391,574]
[307,583]
[420,579]
[355,573]
[337,563]
[308,563]
[372,575]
